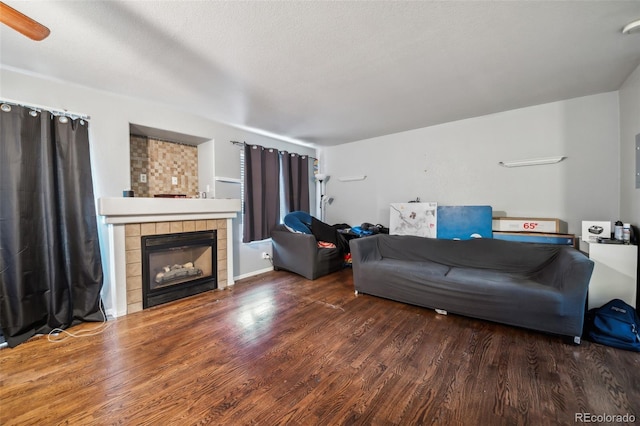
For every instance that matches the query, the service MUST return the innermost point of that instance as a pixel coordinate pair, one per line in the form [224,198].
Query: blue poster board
[464,222]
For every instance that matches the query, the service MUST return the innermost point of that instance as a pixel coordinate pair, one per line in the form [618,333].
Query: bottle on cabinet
[617,234]
[626,233]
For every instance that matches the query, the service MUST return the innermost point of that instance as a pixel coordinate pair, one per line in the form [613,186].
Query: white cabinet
[614,274]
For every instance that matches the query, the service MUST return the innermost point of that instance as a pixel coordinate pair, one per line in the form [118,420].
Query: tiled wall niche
[139,156]
[160,161]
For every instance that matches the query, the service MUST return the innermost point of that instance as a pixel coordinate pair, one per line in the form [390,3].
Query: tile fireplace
[128,220]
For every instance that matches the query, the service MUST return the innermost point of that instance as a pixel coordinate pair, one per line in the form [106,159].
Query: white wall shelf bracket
[532,161]
[351,178]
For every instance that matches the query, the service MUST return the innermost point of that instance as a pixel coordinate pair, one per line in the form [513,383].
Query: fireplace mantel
[117,210]
[122,212]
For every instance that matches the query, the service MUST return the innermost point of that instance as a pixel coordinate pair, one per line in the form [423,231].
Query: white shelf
[351,178]
[140,209]
[227,179]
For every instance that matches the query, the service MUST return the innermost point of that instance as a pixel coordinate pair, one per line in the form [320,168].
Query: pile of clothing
[330,236]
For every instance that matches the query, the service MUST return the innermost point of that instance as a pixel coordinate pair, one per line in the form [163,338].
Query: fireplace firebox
[177,265]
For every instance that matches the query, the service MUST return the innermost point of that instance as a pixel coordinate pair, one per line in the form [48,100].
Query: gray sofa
[536,286]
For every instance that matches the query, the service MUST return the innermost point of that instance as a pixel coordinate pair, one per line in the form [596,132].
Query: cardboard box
[529,224]
[536,237]
[594,229]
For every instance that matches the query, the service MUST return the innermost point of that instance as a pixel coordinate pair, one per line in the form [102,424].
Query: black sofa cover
[536,286]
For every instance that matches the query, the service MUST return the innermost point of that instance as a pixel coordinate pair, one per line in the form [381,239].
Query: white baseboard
[253,273]
[112,314]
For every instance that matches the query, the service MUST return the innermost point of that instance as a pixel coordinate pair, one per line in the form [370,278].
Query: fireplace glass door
[177,265]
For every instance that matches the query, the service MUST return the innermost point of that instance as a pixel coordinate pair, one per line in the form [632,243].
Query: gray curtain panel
[50,266]
[295,175]
[262,192]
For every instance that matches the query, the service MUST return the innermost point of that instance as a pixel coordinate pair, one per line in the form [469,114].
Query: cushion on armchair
[298,221]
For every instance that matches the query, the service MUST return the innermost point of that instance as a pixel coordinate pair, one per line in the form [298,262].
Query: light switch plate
[638,161]
[174,180]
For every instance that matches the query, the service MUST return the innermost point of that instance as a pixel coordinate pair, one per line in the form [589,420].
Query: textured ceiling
[333,72]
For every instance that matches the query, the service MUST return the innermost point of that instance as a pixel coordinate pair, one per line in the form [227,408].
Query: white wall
[457,164]
[109,138]
[629,128]
[453,164]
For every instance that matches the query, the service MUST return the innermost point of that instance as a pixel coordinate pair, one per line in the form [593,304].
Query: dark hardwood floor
[278,349]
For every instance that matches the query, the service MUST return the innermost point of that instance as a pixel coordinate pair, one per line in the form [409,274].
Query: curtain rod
[54,111]
[244,143]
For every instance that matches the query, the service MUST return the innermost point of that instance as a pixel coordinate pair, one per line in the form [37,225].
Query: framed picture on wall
[419,219]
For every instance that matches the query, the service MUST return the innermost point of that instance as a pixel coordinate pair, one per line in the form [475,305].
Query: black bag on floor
[615,324]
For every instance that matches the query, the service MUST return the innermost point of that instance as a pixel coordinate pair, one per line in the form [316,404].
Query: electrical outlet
[265,255]
[174,180]
[143,178]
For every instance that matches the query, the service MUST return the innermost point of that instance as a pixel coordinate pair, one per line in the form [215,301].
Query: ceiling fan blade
[22,23]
